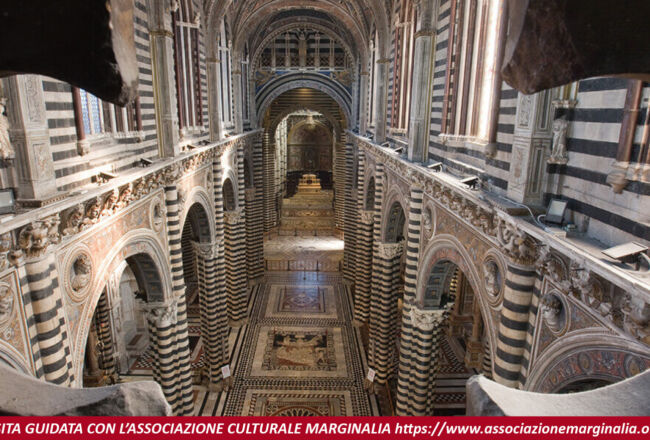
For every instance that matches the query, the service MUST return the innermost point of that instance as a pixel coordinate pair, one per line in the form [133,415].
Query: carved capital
[515,243]
[35,238]
[208,251]
[389,251]
[426,320]
[233,217]
[366,217]
[163,315]
[249,194]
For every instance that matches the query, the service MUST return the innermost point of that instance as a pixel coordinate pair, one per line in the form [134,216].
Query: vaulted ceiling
[354,20]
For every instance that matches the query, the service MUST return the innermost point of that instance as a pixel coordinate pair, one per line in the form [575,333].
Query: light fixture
[555,211]
[190,147]
[145,162]
[435,167]
[386,144]
[470,181]
[7,201]
[399,150]
[632,253]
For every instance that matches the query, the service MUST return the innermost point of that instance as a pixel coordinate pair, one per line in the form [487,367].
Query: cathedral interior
[294,207]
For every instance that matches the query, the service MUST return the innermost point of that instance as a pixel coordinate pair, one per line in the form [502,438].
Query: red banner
[336,428]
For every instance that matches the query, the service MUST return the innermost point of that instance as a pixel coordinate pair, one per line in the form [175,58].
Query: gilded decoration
[585,364]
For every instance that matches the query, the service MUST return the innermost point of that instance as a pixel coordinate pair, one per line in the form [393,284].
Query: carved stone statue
[558,151]
[6,303]
[551,308]
[81,273]
[6,150]
[491,277]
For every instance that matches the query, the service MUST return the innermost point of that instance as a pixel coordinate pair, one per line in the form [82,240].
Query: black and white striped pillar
[513,325]
[365,224]
[179,339]
[350,216]
[46,303]
[268,157]
[220,314]
[383,306]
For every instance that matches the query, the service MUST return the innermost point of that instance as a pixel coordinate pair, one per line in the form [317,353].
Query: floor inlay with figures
[298,355]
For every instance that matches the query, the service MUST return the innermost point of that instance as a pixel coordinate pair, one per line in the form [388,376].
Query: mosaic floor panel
[298,355]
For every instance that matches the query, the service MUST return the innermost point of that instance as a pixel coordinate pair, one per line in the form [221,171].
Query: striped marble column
[513,326]
[214,323]
[46,303]
[532,318]
[255,216]
[179,356]
[419,364]
[220,295]
[410,344]
[236,278]
[106,354]
[163,319]
[383,306]
[270,214]
[339,184]
[350,217]
[363,275]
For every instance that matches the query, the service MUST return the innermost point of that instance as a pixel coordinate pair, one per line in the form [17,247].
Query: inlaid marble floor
[299,354]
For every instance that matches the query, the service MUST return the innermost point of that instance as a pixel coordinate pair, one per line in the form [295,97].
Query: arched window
[188,72]
[471,64]
[403,67]
[225,103]
[94,116]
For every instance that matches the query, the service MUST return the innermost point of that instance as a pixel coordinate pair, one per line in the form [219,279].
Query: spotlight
[145,162]
[555,211]
[470,181]
[435,167]
[7,201]
[386,144]
[631,252]
[399,150]
[190,146]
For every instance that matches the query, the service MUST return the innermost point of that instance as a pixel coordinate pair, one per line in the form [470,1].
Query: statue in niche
[551,307]
[558,151]
[80,273]
[6,151]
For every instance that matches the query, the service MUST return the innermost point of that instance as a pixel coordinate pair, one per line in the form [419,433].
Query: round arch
[229,195]
[446,247]
[317,108]
[199,197]
[394,197]
[583,353]
[290,81]
[142,247]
